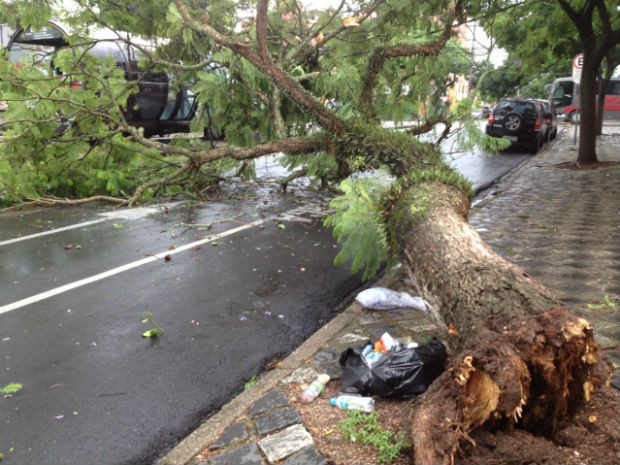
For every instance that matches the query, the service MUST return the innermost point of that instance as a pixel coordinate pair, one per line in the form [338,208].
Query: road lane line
[53,231]
[125,214]
[128,266]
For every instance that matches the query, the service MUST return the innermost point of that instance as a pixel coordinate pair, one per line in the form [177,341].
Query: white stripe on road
[121,269]
[53,231]
[124,214]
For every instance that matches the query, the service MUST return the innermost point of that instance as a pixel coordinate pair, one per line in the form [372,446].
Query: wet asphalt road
[233,286]
[96,391]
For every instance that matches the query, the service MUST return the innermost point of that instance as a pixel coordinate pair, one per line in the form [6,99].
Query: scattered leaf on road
[11,388]
[152,332]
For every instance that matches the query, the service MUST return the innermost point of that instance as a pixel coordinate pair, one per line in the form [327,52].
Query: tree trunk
[587,96]
[520,359]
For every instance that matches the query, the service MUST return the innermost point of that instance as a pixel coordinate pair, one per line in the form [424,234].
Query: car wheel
[512,122]
[535,147]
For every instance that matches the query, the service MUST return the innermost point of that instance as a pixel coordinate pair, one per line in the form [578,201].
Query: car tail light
[491,119]
[537,124]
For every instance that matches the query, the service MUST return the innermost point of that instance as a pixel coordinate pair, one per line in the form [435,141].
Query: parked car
[160,106]
[519,120]
[551,118]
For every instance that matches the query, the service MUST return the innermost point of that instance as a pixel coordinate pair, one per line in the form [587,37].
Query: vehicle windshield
[32,54]
[518,106]
[563,93]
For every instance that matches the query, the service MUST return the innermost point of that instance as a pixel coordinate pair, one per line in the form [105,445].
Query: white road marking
[124,214]
[53,231]
[129,266]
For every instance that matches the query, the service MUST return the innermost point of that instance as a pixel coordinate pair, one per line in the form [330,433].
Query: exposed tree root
[532,378]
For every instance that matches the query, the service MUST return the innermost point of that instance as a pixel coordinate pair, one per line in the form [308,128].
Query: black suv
[521,121]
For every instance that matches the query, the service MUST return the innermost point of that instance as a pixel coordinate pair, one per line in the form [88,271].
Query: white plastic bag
[381,298]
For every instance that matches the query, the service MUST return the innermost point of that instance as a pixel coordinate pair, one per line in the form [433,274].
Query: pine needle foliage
[358,224]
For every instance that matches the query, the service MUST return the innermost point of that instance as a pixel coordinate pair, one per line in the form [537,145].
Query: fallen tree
[519,358]
[522,360]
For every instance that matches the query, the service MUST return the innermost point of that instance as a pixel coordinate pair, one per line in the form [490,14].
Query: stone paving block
[407,314]
[328,355]
[614,358]
[276,419]
[307,456]
[369,317]
[328,362]
[303,375]
[419,327]
[605,342]
[273,399]
[377,331]
[245,455]
[234,433]
[285,443]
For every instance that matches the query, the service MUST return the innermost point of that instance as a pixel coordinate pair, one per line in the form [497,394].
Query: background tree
[598,25]
[499,82]
[315,86]
[547,34]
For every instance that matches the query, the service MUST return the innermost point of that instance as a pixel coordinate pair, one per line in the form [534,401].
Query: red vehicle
[565,98]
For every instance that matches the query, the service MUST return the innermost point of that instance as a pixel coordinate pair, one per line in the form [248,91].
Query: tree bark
[520,359]
[587,95]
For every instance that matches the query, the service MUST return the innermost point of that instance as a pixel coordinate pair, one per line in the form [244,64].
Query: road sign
[577,67]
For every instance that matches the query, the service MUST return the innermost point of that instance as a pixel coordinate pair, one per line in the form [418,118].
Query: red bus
[565,98]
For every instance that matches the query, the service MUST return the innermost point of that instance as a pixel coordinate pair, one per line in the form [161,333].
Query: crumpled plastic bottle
[347,402]
[315,389]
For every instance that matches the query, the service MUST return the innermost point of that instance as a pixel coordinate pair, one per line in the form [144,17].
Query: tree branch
[51,201]
[280,78]
[290,146]
[261,29]
[382,54]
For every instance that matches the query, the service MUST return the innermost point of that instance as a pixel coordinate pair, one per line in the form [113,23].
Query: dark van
[158,107]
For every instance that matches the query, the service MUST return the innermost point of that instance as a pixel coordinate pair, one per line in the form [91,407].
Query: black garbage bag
[402,373]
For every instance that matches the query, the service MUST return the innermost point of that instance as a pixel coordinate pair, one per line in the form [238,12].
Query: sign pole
[577,67]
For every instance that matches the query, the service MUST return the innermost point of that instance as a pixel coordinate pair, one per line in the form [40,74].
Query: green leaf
[358,225]
[152,333]
[173,14]
[11,388]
